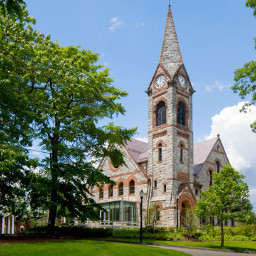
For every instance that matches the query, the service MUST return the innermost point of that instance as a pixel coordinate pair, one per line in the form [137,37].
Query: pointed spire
[170,55]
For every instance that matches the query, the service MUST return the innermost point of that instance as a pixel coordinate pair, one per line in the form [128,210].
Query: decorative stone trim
[157,94]
[160,134]
[155,108]
[158,142]
[186,197]
[118,181]
[208,171]
[131,178]
[185,128]
[123,174]
[217,159]
[112,168]
[182,94]
[181,142]
[182,176]
[183,135]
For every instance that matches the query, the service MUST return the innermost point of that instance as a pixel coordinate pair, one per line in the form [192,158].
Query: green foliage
[208,228]
[171,229]
[245,77]
[13,8]
[189,223]
[15,177]
[152,217]
[75,231]
[57,95]
[252,4]
[227,199]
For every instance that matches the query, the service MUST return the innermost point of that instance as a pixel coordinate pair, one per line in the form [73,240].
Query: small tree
[152,217]
[189,222]
[227,199]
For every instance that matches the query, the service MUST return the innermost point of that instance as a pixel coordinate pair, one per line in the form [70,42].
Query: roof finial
[169,4]
[218,135]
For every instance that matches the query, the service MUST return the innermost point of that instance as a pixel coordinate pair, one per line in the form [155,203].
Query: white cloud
[144,139]
[234,128]
[208,88]
[238,140]
[140,25]
[218,85]
[253,194]
[115,23]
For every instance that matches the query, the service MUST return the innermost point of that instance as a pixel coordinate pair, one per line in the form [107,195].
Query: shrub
[208,228]
[196,234]
[171,229]
[76,231]
[179,230]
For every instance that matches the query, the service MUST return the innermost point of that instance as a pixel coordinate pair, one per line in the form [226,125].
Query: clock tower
[170,132]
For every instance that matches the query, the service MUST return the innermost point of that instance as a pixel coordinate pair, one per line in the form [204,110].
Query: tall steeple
[170,56]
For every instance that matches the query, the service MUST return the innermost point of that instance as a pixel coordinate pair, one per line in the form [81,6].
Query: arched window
[181,153]
[101,192]
[181,113]
[110,190]
[160,113]
[217,166]
[210,178]
[132,187]
[121,189]
[160,152]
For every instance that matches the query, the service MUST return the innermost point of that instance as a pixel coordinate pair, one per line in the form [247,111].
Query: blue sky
[215,38]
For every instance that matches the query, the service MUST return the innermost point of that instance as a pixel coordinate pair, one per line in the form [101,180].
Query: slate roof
[202,150]
[138,151]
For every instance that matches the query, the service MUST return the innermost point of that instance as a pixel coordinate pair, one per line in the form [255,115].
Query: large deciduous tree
[245,77]
[227,199]
[12,8]
[58,95]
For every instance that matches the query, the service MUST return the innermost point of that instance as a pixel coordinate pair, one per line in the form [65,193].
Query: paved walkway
[201,251]
[191,250]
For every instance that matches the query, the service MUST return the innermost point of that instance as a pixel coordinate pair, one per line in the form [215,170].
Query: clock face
[182,81]
[160,81]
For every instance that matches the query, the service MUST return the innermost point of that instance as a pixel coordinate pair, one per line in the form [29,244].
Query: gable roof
[137,149]
[202,150]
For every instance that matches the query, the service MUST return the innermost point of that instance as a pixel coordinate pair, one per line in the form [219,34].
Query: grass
[229,245]
[82,248]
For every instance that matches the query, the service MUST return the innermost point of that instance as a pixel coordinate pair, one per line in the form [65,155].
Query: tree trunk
[222,234]
[53,207]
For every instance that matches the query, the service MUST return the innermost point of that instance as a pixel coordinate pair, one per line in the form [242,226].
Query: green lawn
[82,248]
[229,245]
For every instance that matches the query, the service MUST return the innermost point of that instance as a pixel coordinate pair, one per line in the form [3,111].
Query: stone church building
[169,169]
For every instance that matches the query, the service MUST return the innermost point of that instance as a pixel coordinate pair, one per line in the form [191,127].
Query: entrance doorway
[184,215]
